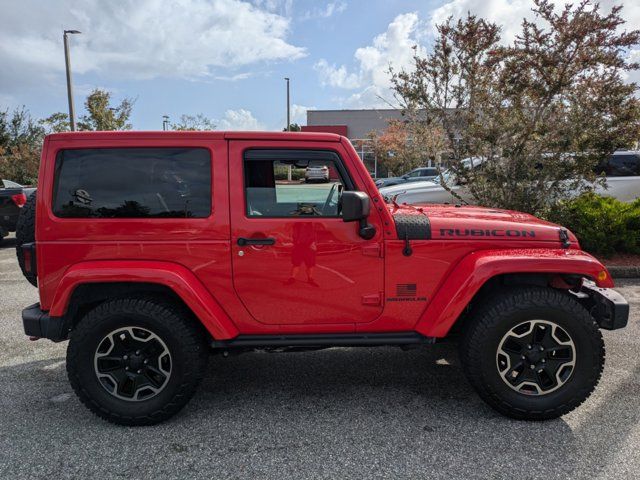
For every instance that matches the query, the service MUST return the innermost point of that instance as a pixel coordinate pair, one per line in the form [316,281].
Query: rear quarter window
[133,183]
[621,165]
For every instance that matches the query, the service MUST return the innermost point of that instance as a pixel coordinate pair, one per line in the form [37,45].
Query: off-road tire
[26,233]
[491,321]
[184,338]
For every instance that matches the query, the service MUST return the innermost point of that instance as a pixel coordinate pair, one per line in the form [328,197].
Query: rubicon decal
[478,232]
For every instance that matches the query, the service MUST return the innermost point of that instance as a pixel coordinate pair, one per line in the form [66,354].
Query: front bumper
[608,307]
[38,324]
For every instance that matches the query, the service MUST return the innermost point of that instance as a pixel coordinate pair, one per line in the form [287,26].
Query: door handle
[256,241]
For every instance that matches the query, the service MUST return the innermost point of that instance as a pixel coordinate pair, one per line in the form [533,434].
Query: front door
[294,259]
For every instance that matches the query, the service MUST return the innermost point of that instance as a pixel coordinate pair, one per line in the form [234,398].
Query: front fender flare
[172,275]
[474,270]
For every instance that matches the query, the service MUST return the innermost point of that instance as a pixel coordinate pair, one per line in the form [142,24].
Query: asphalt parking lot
[339,413]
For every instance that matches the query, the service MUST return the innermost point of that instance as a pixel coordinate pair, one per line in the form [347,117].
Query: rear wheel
[533,353]
[136,361]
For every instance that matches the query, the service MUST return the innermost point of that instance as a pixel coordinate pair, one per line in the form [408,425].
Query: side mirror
[355,208]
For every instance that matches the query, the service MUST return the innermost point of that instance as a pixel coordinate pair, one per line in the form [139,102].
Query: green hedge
[603,225]
[281,173]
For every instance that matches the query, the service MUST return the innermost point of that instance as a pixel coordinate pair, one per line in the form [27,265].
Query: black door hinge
[564,238]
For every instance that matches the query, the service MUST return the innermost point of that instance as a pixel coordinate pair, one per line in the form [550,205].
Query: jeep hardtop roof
[213,134]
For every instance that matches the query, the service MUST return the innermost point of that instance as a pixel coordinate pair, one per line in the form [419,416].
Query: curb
[620,271]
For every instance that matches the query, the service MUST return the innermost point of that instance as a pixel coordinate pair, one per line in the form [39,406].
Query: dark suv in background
[13,196]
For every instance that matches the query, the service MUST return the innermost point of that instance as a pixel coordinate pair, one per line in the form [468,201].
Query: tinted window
[428,172]
[292,184]
[133,183]
[625,165]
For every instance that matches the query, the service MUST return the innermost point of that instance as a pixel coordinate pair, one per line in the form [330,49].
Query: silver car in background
[318,173]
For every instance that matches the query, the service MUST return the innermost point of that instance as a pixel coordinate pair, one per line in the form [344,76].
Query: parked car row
[622,171]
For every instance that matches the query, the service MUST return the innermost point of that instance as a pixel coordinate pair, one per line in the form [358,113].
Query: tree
[56,123]
[194,123]
[293,127]
[102,116]
[20,146]
[538,113]
[405,145]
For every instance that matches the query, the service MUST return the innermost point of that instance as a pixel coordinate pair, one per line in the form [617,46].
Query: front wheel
[136,361]
[533,353]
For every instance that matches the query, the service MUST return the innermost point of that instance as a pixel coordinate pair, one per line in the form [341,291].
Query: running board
[329,340]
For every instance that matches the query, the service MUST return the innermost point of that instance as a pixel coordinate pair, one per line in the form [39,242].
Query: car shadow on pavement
[337,413]
[8,242]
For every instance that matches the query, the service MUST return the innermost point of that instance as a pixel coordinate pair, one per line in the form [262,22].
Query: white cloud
[282,7]
[240,119]
[327,11]
[234,78]
[370,78]
[139,39]
[299,114]
[391,48]
[634,76]
[506,13]
[336,76]
[509,13]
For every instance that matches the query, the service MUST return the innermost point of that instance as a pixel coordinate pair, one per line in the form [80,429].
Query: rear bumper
[608,307]
[317,176]
[37,323]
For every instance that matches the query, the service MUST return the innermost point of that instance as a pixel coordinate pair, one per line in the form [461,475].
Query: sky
[227,59]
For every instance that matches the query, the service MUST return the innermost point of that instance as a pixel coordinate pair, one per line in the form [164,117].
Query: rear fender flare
[172,275]
[473,271]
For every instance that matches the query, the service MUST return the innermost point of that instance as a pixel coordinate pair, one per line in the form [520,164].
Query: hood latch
[407,250]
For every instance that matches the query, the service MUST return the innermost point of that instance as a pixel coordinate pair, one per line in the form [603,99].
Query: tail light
[19,199]
[29,254]
[28,259]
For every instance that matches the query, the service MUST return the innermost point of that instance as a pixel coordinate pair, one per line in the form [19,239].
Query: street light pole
[67,61]
[288,107]
[289,174]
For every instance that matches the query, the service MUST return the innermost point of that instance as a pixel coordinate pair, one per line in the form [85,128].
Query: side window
[293,183]
[627,165]
[414,173]
[133,183]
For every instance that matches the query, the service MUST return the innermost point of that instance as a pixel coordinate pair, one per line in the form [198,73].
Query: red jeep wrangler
[153,249]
